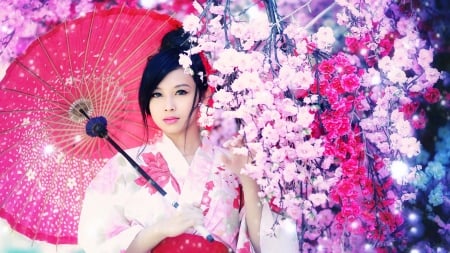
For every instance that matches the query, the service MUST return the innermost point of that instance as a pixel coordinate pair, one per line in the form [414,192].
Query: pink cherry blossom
[323,117]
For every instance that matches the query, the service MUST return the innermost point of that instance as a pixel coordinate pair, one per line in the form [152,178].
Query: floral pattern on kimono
[119,202]
[156,167]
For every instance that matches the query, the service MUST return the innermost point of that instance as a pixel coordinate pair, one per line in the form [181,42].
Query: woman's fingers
[235,141]
[185,217]
[191,213]
[234,161]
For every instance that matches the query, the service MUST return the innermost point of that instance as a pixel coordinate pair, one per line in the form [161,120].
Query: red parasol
[91,65]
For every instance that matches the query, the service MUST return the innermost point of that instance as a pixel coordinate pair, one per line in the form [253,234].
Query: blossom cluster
[325,122]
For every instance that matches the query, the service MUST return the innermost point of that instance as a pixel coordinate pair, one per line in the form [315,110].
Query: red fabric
[208,68]
[189,243]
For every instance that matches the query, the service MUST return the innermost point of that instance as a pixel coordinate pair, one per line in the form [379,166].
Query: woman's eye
[156,95]
[181,92]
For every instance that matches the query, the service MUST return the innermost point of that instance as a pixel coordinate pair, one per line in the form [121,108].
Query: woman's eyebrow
[182,85]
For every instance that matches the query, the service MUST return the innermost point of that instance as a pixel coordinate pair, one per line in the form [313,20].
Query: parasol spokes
[93,63]
[80,109]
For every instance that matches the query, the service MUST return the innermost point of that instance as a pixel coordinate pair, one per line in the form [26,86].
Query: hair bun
[176,39]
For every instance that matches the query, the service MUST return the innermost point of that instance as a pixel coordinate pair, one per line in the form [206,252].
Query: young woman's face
[171,103]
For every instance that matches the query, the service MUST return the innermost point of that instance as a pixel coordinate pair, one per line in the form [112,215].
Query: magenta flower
[432,95]
[156,167]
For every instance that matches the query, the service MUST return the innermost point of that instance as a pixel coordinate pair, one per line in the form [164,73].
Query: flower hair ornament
[186,62]
[208,68]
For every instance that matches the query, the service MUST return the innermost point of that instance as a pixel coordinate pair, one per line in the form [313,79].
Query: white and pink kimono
[119,202]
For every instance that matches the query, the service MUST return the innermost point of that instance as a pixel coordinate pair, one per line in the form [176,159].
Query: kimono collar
[178,165]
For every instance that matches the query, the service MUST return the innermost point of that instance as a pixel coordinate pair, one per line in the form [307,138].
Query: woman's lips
[170,120]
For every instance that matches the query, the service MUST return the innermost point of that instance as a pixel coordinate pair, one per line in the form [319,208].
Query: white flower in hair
[186,62]
[201,75]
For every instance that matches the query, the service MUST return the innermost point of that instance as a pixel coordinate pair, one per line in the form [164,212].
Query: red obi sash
[189,243]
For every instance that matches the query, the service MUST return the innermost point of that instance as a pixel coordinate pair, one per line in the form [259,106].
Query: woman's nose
[169,105]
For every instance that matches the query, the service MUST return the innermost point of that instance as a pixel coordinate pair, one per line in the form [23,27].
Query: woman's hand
[186,217]
[237,156]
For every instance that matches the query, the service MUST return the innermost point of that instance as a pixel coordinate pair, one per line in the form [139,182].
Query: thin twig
[296,10]
[320,15]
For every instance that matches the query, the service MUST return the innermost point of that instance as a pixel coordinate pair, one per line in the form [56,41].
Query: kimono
[119,202]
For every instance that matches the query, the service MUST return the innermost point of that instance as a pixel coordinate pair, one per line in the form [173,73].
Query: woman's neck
[187,143]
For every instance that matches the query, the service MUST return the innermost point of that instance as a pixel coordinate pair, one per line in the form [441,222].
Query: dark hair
[165,61]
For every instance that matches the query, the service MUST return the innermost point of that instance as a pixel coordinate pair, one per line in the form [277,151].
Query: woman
[123,213]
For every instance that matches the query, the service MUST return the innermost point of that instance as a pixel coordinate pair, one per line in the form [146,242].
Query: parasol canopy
[86,68]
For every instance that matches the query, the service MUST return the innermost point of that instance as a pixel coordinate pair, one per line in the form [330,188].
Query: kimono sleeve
[103,226]
[279,238]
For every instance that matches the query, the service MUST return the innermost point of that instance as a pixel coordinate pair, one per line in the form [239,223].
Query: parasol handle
[96,127]
[200,229]
[138,168]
